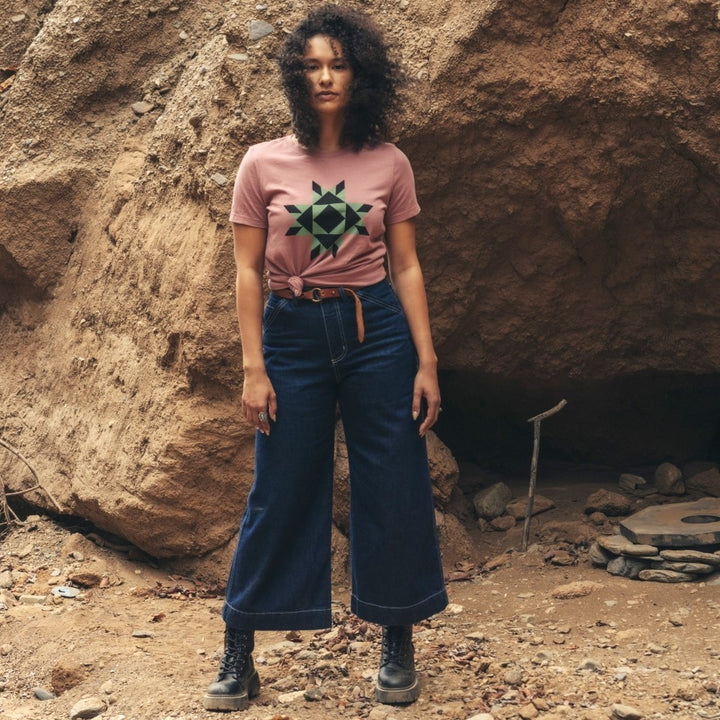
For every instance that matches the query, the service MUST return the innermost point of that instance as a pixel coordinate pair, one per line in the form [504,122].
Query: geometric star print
[328,219]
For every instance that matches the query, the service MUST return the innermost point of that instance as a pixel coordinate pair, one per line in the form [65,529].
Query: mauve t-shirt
[325,213]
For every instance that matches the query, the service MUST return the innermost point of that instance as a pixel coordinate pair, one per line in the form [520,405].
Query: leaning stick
[38,484]
[533,467]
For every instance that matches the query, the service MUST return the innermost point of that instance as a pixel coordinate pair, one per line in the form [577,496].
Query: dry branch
[9,516]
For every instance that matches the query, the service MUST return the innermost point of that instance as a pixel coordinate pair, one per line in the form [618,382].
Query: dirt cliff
[566,159]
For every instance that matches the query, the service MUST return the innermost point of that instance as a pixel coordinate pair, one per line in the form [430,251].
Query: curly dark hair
[377,77]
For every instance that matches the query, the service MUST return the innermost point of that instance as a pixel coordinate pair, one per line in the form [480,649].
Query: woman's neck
[330,136]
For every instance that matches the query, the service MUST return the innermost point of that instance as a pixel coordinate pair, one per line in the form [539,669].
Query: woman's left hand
[426,386]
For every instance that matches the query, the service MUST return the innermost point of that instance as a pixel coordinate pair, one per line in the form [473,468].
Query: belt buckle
[316,294]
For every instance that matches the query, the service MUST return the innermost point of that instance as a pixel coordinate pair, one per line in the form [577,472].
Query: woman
[320,211]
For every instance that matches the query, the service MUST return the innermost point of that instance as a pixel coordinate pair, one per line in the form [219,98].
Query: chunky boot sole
[234,702]
[398,696]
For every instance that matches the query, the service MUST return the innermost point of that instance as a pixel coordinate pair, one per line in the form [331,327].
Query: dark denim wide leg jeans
[280,574]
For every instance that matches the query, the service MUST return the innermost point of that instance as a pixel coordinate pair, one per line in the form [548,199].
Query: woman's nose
[325,75]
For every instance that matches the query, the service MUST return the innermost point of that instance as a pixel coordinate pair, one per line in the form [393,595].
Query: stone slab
[679,525]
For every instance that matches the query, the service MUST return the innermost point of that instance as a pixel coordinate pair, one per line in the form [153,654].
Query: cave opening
[635,420]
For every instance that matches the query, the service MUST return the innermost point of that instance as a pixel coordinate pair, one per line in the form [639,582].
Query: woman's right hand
[259,402]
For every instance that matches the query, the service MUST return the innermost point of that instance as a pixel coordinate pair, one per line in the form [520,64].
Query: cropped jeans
[280,574]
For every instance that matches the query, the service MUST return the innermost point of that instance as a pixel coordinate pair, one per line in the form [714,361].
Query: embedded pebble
[291,697]
[259,29]
[139,108]
[219,179]
[590,664]
[42,694]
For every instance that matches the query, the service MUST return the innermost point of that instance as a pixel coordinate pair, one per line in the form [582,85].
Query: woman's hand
[426,386]
[259,402]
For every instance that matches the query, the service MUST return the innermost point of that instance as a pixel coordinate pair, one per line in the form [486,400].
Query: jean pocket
[386,298]
[272,309]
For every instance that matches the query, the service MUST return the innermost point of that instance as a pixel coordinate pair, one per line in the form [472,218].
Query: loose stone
[291,697]
[32,599]
[608,502]
[598,556]
[669,479]
[42,694]
[626,567]
[219,179]
[625,712]
[491,502]
[631,482]
[139,108]
[88,708]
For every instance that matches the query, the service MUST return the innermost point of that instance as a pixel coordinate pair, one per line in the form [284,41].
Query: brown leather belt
[319,294]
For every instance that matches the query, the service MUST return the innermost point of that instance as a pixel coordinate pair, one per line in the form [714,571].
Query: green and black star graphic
[328,218]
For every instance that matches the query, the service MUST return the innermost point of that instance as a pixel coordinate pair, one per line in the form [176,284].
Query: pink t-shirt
[325,213]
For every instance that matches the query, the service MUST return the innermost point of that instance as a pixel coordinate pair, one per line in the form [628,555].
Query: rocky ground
[522,638]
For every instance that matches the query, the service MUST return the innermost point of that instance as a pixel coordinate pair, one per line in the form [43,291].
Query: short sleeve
[248,203]
[403,203]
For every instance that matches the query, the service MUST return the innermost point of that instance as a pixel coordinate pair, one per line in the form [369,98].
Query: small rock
[24,552]
[625,712]
[518,508]
[581,588]
[513,677]
[627,567]
[6,581]
[491,502]
[143,634]
[690,556]
[454,609]
[313,694]
[183,35]
[360,647]
[503,523]
[597,518]
[241,57]
[219,179]
[608,502]
[32,599]
[42,694]
[85,578]
[528,712]
[5,649]
[291,697]
[591,665]
[668,576]
[706,482]
[107,687]
[88,708]
[669,479]
[259,29]
[685,567]
[476,636]
[631,482]
[378,713]
[598,556]
[18,18]
[482,716]
[139,108]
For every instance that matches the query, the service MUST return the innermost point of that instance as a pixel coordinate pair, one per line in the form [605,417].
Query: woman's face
[329,75]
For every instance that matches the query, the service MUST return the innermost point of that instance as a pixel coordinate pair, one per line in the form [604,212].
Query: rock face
[566,160]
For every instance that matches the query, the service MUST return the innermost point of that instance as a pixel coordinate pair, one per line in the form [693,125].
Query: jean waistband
[319,294]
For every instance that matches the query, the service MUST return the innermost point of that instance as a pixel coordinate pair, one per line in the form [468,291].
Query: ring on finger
[261,416]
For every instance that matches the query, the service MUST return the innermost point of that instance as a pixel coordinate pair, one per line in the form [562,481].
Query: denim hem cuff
[296,620]
[383,615]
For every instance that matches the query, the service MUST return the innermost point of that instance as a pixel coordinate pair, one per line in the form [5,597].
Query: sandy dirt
[145,642]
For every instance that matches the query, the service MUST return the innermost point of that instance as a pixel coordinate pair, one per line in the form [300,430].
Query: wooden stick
[536,420]
[19,455]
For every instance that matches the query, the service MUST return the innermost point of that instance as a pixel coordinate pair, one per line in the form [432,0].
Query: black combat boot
[237,680]
[397,681]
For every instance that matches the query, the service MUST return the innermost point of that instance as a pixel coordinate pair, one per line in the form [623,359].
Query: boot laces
[395,645]
[238,646]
